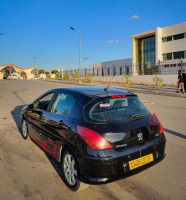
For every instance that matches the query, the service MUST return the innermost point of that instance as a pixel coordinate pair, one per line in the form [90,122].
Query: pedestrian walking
[184,80]
[180,83]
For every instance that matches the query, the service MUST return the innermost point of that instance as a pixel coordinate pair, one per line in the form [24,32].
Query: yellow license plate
[133,164]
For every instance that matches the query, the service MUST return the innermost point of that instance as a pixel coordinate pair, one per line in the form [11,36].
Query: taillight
[161,128]
[93,139]
[157,121]
[116,96]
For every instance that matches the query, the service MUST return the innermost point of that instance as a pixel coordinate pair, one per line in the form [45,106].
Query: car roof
[96,92]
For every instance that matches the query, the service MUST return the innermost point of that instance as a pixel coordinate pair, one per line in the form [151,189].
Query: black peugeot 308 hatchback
[99,135]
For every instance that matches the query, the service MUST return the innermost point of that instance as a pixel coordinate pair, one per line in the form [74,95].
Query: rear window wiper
[137,115]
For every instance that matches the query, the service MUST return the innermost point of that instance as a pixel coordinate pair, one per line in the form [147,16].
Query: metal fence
[167,67]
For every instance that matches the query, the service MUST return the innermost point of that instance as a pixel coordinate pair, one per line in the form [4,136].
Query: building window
[8,70]
[108,72]
[114,71]
[172,65]
[146,54]
[178,55]
[167,56]
[120,70]
[166,65]
[178,36]
[167,39]
[127,70]
[93,72]
[102,72]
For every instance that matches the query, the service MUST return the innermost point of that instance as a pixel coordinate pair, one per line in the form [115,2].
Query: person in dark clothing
[184,80]
[180,83]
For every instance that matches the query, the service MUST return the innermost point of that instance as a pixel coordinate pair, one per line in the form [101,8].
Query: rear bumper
[109,165]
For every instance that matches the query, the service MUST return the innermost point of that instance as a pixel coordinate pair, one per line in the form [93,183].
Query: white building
[159,50]
[109,68]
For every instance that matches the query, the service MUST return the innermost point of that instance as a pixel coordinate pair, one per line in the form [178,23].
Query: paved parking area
[27,172]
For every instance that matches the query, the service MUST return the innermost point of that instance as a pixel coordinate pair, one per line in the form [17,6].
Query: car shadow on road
[174,133]
[16,114]
[56,165]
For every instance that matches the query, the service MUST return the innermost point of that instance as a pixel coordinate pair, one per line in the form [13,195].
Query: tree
[47,74]
[41,71]
[54,72]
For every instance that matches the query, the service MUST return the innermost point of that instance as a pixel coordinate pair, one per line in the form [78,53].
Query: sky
[40,28]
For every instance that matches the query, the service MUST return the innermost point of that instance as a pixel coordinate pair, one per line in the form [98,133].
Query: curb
[143,91]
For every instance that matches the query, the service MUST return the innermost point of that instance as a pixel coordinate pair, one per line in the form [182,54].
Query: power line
[34,58]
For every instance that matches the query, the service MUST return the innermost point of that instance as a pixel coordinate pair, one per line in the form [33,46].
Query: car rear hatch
[123,121]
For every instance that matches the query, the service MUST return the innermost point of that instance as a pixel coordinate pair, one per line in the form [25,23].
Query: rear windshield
[114,109]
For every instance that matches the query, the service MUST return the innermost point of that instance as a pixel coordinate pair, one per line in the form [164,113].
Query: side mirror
[30,106]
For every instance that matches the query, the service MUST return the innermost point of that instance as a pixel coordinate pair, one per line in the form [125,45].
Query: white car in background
[13,76]
[35,78]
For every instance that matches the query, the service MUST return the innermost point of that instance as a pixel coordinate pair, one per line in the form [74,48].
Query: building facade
[161,50]
[27,72]
[109,68]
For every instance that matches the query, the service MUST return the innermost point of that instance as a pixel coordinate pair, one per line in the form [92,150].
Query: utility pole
[34,58]
[68,66]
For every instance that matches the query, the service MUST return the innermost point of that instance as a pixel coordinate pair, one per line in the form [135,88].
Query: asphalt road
[27,172]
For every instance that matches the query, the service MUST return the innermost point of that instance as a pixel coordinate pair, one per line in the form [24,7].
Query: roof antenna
[106,89]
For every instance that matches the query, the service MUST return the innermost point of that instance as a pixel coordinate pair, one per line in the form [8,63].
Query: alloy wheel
[24,128]
[70,169]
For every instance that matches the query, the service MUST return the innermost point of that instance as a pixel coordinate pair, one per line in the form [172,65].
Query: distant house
[10,69]
[109,68]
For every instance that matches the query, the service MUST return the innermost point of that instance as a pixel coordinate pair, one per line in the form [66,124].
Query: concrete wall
[29,76]
[43,76]
[52,75]
[168,79]
[1,75]
[123,63]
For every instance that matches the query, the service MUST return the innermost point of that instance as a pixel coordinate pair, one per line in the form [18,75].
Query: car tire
[70,172]
[24,129]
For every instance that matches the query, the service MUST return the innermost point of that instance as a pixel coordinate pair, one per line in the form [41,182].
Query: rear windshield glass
[114,109]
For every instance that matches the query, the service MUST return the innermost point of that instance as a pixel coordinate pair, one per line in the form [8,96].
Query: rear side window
[114,109]
[64,104]
[43,102]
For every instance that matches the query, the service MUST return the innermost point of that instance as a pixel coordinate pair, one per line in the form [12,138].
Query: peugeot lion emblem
[140,136]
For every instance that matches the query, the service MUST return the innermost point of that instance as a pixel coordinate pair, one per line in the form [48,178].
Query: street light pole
[79,54]
[79,50]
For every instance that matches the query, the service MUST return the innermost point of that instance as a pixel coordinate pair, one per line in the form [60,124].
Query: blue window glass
[178,36]
[64,104]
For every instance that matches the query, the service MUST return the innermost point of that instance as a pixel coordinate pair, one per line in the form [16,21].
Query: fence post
[159,67]
[181,65]
[93,71]
[113,71]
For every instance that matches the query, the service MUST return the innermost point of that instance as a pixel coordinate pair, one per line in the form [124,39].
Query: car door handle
[61,122]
